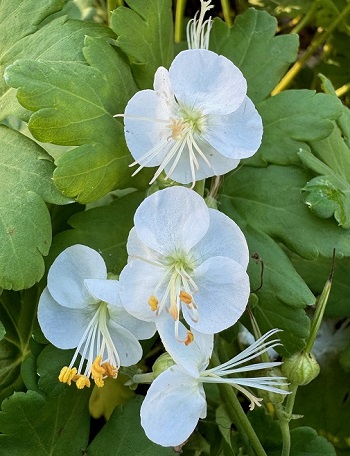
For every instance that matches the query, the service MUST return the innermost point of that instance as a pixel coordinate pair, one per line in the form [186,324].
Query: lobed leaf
[145,34]
[25,227]
[251,44]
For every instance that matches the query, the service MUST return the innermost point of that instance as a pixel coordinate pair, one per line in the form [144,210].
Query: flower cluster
[186,273]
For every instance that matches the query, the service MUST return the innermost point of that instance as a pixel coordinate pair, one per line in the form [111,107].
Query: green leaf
[305,440]
[33,425]
[25,228]
[2,331]
[290,119]
[17,312]
[251,44]
[68,112]
[268,206]
[145,34]
[123,435]
[25,35]
[104,228]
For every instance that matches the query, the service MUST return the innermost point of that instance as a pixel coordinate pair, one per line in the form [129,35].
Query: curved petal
[66,276]
[222,297]
[138,281]
[237,135]
[138,249]
[172,221]
[205,81]
[172,407]
[219,164]
[223,238]
[104,290]
[146,121]
[190,357]
[62,326]
[128,347]
[139,328]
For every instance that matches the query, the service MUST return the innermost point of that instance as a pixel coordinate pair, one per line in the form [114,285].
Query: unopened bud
[162,364]
[301,368]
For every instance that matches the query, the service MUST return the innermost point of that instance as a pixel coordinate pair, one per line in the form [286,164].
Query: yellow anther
[174,312]
[153,303]
[177,128]
[67,374]
[97,371]
[189,338]
[110,370]
[186,298]
[81,381]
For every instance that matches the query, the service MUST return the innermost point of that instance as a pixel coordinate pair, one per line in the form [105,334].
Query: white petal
[62,326]
[172,220]
[193,357]
[128,347]
[223,238]
[172,407]
[139,328]
[237,135]
[66,276]
[207,82]
[104,290]
[222,297]
[138,281]
[143,135]
[219,164]
[138,249]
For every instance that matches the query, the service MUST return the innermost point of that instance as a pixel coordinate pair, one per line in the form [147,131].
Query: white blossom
[80,308]
[198,121]
[185,260]
[176,399]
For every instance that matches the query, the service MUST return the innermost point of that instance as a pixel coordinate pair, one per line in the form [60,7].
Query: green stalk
[316,43]
[284,417]
[237,415]
[179,19]
[307,18]
[227,12]
[343,90]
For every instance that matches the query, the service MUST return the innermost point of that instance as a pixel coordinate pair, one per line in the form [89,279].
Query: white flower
[81,308]
[198,121]
[184,258]
[176,399]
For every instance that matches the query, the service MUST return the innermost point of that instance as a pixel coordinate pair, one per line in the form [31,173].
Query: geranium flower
[184,259]
[198,121]
[176,399]
[81,309]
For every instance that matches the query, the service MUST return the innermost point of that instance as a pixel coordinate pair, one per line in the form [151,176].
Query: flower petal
[104,290]
[138,281]
[223,238]
[66,276]
[62,326]
[139,328]
[237,135]
[172,407]
[219,164]
[172,220]
[206,81]
[222,297]
[138,249]
[143,135]
[128,347]
[193,357]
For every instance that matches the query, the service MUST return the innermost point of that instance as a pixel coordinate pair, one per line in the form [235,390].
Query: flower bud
[301,368]
[162,364]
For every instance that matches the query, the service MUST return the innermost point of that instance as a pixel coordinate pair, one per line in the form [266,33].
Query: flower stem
[284,417]
[179,19]
[237,414]
[227,12]
[343,90]
[307,18]
[319,40]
